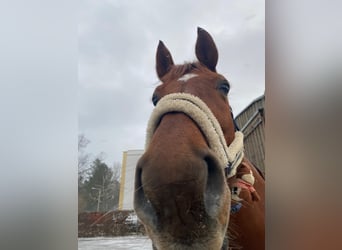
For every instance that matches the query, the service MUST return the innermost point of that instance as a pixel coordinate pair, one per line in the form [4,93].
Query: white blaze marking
[186,77]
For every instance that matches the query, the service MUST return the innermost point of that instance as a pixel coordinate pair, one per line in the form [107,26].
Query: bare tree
[83,156]
[116,183]
[116,171]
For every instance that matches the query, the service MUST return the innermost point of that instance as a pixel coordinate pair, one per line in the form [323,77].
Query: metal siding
[254,132]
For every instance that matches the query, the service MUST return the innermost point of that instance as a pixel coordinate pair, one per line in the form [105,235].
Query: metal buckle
[235,208]
[228,169]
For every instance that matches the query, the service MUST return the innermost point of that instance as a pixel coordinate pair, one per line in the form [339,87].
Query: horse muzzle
[182,198]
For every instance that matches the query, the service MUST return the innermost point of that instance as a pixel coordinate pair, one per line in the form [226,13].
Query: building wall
[129,162]
[251,122]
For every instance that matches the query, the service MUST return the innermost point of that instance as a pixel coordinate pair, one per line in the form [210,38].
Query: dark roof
[249,105]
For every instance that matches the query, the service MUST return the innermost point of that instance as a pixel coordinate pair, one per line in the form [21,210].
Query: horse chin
[214,240]
[204,232]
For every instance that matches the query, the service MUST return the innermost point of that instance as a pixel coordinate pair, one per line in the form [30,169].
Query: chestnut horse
[194,188]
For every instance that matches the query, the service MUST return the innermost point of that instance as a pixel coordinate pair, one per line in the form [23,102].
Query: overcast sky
[117,46]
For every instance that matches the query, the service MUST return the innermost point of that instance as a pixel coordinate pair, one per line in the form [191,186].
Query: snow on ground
[115,243]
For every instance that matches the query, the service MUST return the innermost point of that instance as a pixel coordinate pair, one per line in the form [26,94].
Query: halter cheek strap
[229,156]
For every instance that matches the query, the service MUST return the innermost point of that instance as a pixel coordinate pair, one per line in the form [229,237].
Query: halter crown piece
[229,156]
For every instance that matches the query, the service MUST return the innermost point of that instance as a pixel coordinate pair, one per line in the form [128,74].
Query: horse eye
[155,99]
[224,88]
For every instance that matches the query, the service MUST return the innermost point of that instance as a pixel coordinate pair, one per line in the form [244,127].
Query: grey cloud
[117,45]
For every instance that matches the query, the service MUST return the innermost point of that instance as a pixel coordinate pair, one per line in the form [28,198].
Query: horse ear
[163,59]
[206,50]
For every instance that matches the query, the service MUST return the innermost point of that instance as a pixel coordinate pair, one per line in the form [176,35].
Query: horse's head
[181,194]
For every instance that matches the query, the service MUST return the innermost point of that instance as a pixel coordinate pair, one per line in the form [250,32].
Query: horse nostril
[142,205]
[215,187]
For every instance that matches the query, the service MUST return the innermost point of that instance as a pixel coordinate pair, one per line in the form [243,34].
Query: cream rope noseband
[230,157]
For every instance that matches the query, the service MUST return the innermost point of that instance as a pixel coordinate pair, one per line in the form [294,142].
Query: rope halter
[229,157]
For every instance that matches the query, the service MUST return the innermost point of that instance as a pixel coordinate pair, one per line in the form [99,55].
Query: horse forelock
[177,71]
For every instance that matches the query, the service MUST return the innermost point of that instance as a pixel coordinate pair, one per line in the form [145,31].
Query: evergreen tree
[98,185]
[83,170]
[99,189]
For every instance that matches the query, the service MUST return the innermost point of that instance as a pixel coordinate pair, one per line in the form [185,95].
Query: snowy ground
[115,243]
